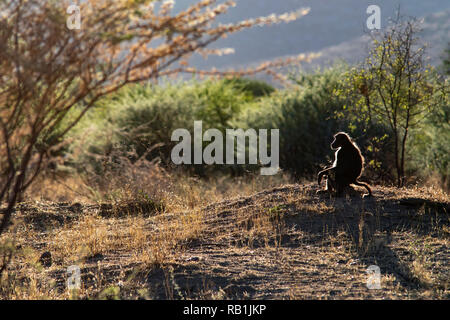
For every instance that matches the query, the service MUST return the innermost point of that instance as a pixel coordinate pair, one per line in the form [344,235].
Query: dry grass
[245,238]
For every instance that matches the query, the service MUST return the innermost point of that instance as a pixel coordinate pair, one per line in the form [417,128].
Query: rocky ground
[283,243]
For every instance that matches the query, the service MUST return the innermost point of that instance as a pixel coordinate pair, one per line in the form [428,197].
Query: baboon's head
[340,139]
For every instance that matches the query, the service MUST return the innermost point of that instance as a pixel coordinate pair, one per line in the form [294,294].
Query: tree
[47,70]
[394,86]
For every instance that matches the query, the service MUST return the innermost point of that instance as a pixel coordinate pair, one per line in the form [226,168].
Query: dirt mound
[290,243]
[284,243]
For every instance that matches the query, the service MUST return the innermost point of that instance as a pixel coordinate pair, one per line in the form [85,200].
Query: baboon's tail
[365,185]
[320,176]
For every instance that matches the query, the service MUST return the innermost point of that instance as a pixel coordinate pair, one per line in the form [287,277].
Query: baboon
[347,167]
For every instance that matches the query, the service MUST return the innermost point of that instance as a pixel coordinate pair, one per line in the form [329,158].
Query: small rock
[46,259]
[95,258]
[193,259]
[76,207]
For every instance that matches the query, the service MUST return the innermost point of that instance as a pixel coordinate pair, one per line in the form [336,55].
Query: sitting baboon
[347,167]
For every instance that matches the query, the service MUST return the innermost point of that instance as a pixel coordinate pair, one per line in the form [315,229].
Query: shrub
[253,87]
[306,117]
[430,148]
[139,120]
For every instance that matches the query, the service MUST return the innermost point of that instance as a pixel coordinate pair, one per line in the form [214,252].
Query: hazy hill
[435,34]
[335,28]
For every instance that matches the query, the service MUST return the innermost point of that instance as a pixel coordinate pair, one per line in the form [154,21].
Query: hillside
[435,31]
[282,243]
[334,28]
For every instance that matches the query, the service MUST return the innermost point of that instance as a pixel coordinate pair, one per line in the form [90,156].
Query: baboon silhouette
[347,167]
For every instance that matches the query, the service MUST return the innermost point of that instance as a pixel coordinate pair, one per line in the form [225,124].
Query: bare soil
[283,243]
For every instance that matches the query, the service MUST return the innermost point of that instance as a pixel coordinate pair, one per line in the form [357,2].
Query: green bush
[139,119]
[306,118]
[255,88]
[430,149]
